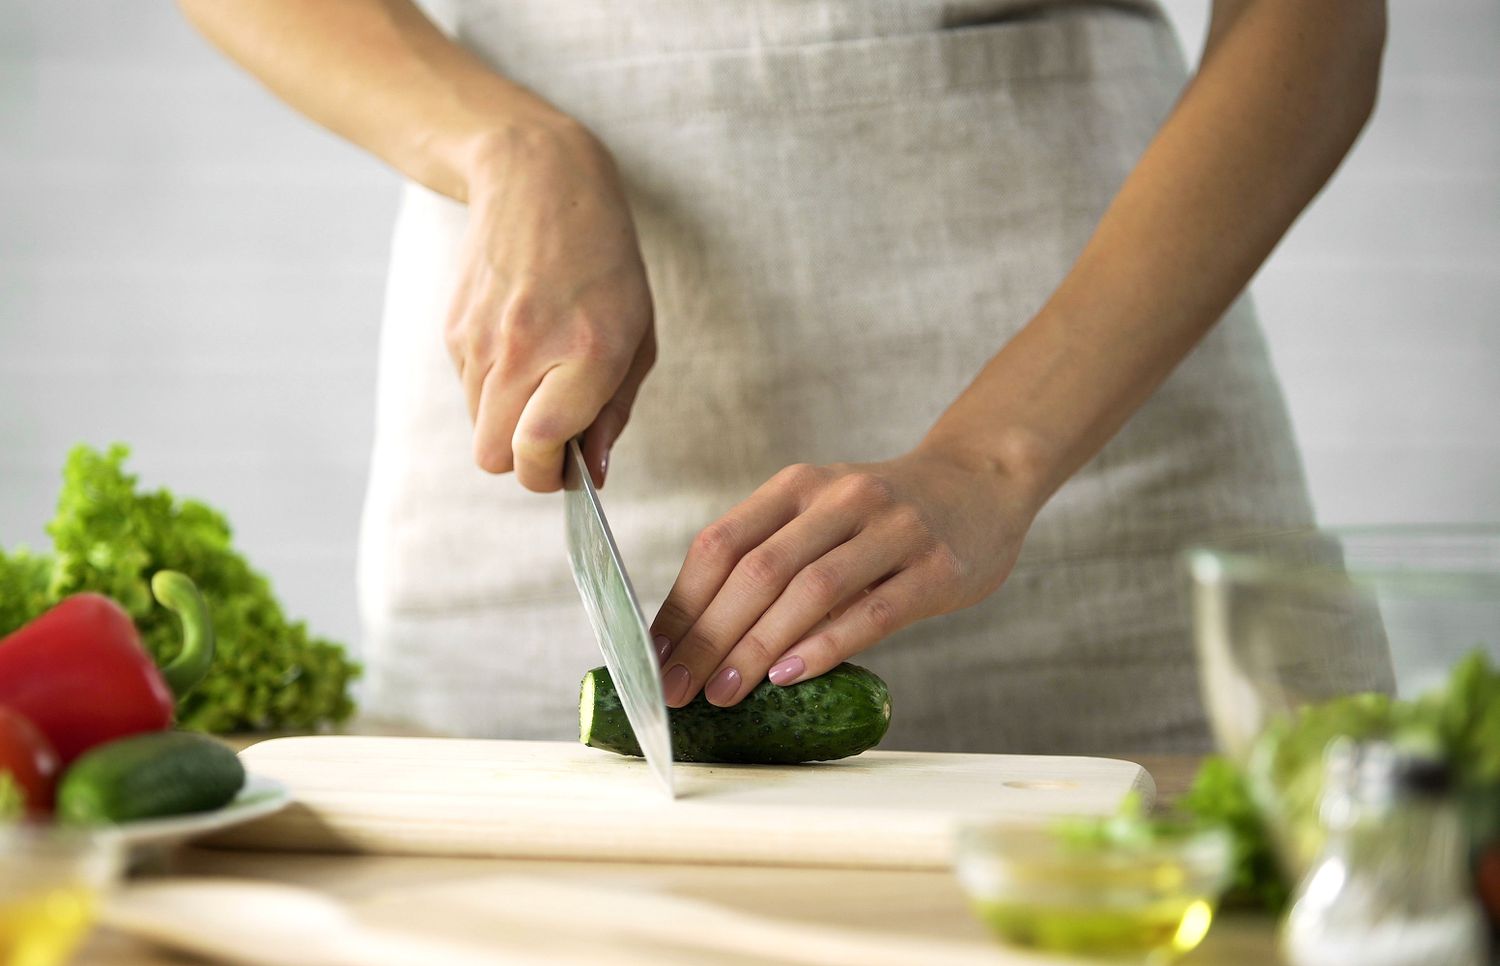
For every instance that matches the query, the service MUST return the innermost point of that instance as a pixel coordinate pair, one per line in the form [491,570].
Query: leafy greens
[110,537]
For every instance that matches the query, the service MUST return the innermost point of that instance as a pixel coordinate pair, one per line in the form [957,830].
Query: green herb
[110,537]
[1219,794]
[1131,826]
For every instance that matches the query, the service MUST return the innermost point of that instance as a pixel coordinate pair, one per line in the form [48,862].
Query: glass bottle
[1390,886]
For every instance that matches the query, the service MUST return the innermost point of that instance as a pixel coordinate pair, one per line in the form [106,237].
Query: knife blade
[615,615]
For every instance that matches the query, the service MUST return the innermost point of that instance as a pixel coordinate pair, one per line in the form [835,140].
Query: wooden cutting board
[543,799]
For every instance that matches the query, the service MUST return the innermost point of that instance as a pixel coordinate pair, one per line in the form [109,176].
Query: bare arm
[822,562]
[551,325]
[1284,89]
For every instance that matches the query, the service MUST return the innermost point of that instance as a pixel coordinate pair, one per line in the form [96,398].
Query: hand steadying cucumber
[839,714]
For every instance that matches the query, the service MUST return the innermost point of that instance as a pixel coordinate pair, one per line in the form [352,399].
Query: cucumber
[841,713]
[148,776]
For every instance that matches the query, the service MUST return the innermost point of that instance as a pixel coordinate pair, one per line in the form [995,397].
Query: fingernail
[675,685]
[787,671]
[663,648]
[725,685]
[603,467]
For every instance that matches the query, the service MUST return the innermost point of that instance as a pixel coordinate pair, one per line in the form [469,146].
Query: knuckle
[522,317]
[540,435]
[823,585]
[796,478]
[909,520]
[862,489]
[672,616]
[717,541]
[757,649]
[881,613]
[945,563]
[454,337]
[593,343]
[492,458]
[764,568]
[700,650]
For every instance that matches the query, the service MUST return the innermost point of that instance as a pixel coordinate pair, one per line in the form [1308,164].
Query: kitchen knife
[615,613]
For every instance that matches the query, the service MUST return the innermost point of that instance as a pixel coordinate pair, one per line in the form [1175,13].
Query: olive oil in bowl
[1128,889]
[44,928]
[50,883]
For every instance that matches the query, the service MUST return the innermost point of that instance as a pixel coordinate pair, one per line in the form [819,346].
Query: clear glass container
[1290,619]
[1143,901]
[52,880]
[1390,885]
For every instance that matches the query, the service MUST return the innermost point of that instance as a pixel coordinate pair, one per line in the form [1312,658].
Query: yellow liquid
[43,929]
[1157,932]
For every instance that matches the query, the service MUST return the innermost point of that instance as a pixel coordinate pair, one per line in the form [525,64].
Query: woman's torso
[845,208]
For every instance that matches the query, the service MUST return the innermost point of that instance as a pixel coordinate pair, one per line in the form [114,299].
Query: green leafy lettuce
[110,536]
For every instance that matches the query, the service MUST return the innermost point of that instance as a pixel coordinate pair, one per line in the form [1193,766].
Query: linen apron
[845,207]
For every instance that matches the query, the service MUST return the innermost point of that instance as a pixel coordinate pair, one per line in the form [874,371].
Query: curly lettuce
[110,536]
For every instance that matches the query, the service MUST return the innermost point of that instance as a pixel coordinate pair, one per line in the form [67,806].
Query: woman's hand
[822,562]
[550,326]
[551,323]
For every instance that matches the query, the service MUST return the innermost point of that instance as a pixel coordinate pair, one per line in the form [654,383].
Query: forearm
[1284,89]
[380,74]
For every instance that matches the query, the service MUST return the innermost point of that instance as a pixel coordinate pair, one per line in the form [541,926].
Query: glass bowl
[51,882]
[1147,899]
[1288,620]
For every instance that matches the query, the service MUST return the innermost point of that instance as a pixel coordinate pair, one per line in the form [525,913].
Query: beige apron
[846,206]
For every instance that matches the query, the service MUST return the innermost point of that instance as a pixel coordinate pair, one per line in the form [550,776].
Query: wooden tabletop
[745,914]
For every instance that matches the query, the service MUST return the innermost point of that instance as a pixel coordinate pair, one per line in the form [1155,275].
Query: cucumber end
[586,708]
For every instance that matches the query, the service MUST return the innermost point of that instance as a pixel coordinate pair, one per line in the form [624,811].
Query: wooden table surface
[910,916]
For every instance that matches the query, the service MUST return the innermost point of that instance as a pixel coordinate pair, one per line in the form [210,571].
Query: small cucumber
[839,714]
[148,776]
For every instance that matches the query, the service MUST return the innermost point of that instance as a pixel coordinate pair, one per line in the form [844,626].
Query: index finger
[715,552]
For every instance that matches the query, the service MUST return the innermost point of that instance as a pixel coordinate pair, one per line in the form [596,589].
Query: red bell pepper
[80,674]
[28,760]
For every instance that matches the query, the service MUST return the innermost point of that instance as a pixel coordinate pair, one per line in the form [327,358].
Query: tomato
[29,759]
[1487,880]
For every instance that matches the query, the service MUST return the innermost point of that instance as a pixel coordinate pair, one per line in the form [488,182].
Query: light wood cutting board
[543,799]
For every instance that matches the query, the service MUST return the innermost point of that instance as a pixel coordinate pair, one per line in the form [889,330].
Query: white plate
[260,797]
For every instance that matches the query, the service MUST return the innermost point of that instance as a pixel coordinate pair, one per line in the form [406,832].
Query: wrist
[536,134]
[1012,461]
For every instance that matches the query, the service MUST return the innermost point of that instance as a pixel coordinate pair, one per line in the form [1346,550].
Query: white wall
[186,266]
[1383,303]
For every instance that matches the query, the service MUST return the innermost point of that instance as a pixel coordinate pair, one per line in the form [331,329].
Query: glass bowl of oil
[52,880]
[1126,889]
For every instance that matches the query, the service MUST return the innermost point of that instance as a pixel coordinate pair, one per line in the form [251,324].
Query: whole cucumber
[149,776]
[839,714]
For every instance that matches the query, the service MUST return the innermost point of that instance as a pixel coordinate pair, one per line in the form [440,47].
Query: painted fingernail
[663,648]
[788,671]
[722,689]
[675,685]
[603,467]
